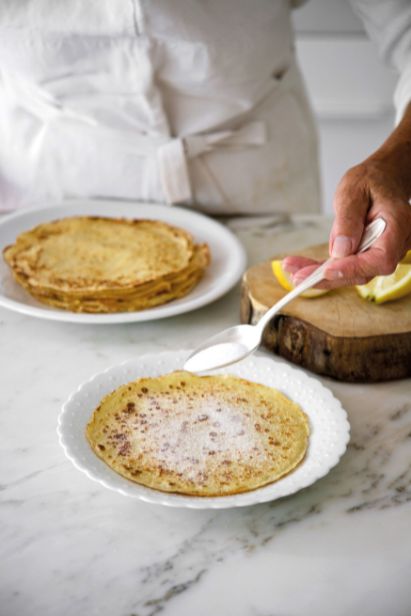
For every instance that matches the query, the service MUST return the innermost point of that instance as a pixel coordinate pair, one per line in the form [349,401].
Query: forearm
[395,155]
[379,187]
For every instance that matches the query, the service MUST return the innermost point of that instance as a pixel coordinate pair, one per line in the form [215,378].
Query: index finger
[379,260]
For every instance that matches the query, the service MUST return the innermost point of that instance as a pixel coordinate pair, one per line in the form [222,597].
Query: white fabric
[165,101]
[173,155]
[388,23]
[173,171]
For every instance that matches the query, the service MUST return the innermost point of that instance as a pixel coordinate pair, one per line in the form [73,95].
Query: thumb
[351,203]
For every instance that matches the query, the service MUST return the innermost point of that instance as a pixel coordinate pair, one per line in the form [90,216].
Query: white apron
[167,101]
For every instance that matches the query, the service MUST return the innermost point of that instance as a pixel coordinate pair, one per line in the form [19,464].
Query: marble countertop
[70,547]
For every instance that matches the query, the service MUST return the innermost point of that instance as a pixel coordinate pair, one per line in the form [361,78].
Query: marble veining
[70,547]
[366,479]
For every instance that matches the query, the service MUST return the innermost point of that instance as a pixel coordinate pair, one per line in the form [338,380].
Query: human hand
[380,187]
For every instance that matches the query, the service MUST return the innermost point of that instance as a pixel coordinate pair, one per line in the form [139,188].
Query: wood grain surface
[338,334]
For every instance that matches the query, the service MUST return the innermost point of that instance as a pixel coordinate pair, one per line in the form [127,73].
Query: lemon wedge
[387,288]
[406,259]
[285,281]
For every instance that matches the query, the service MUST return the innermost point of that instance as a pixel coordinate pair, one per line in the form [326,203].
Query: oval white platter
[228,258]
[327,419]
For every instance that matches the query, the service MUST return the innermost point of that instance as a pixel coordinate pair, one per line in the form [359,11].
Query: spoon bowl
[223,349]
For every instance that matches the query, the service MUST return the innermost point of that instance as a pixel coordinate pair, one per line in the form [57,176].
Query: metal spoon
[236,343]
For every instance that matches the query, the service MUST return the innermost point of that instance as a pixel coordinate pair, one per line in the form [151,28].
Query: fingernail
[341,247]
[332,274]
[296,280]
[291,269]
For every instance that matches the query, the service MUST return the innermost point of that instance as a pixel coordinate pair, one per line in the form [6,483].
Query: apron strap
[172,156]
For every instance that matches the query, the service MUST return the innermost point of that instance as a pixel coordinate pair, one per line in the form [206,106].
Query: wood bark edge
[356,360]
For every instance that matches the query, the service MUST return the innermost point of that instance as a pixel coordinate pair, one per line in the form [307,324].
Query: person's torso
[112,83]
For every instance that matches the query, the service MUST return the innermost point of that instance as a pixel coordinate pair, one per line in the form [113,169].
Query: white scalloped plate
[228,258]
[328,424]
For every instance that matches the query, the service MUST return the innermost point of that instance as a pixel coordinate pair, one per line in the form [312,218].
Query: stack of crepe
[100,265]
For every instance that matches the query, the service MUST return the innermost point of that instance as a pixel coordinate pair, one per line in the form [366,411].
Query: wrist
[394,156]
[393,161]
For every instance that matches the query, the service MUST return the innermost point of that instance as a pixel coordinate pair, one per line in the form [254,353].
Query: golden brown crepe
[87,264]
[203,436]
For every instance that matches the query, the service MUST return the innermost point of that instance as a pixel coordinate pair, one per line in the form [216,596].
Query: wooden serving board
[338,334]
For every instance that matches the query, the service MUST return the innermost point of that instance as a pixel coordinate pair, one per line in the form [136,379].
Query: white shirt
[177,101]
[388,24]
[156,100]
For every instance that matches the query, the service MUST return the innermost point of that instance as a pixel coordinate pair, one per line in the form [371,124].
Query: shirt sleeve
[388,24]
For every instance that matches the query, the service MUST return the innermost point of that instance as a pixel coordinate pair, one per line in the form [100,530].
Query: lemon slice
[407,258]
[285,281]
[387,288]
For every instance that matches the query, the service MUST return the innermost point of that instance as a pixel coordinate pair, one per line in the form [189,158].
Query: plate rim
[151,314]
[252,497]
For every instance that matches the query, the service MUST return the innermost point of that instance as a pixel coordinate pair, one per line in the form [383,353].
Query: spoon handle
[371,233]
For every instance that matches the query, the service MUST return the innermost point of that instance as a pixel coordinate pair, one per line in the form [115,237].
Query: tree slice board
[339,334]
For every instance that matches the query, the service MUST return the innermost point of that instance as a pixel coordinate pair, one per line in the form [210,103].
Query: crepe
[140,297]
[88,264]
[204,436]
